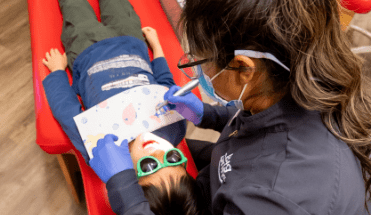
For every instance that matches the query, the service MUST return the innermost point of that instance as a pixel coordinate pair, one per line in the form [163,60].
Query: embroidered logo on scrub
[224,167]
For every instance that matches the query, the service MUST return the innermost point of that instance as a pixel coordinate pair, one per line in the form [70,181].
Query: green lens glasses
[148,164]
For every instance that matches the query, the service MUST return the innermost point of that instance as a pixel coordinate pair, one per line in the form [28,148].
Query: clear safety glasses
[190,66]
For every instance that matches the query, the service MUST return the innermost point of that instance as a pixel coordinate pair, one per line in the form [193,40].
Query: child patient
[103,56]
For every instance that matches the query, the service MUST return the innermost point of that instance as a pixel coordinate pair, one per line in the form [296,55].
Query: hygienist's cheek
[210,69]
[224,88]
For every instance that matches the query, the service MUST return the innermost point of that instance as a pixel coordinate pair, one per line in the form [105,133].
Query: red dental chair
[358,6]
[348,8]
[46,28]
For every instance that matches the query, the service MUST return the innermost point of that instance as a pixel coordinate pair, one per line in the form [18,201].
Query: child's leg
[120,16]
[81,28]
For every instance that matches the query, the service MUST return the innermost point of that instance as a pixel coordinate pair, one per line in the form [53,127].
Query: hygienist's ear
[243,61]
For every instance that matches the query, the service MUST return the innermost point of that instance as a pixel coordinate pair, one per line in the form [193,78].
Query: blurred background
[31,181]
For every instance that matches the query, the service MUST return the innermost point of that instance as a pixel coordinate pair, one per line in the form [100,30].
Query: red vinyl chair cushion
[46,27]
[358,6]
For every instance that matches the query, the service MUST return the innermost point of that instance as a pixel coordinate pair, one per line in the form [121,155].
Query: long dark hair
[183,197]
[306,36]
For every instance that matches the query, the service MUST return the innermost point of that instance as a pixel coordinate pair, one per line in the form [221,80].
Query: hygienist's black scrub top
[282,160]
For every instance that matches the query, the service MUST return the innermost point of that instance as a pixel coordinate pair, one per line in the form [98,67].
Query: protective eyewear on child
[148,164]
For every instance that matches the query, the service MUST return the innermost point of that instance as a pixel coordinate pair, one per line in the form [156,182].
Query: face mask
[207,86]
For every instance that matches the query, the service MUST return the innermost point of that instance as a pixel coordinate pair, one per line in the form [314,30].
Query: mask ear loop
[239,110]
[217,74]
[243,90]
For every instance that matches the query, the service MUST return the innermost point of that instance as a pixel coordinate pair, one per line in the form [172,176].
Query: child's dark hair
[183,197]
[306,36]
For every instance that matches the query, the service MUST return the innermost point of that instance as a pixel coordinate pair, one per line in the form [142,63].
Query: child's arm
[62,99]
[152,38]
[161,71]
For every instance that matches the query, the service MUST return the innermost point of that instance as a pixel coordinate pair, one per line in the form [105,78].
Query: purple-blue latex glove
[109,158]
[188,105]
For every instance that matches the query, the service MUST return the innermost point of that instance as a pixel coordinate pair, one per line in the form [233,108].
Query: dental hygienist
[295,117]
[295,108]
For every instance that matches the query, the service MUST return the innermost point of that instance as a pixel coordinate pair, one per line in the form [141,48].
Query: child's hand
[55,60]
[154,42]
[151,36]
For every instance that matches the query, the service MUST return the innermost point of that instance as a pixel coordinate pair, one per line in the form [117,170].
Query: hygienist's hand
[55,60]
[189,106]
[110,159]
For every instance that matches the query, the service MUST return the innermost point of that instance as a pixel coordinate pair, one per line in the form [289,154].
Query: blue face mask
[207,86]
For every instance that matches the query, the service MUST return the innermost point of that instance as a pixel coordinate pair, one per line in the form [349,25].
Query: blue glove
[110,159]
[189,106]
